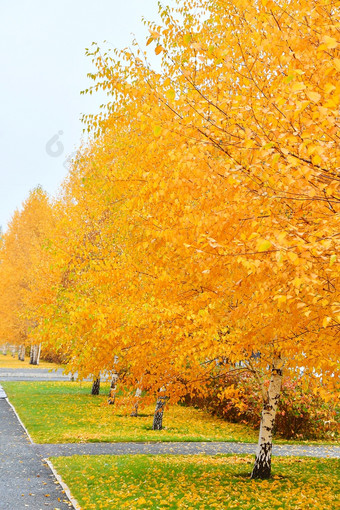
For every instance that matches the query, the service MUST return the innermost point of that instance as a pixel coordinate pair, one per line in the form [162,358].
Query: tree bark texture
[96,386]
[35,354]
[38,355]
[159,411]
[262,466]
[134,411]
[113,389]
[21,352]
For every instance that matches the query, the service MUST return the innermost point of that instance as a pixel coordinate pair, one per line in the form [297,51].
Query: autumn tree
[23,280]
[236,222]
[197,233]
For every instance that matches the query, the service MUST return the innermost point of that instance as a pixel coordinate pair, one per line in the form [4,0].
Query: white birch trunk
[32,354]
[38,354]
[35,354]
[262,466]
[21,352]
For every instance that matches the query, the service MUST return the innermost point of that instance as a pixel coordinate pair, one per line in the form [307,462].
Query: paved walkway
[65,450]
[32,374]
[25,481]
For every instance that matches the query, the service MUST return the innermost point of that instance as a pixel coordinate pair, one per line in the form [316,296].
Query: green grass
[198,482]
[65,412]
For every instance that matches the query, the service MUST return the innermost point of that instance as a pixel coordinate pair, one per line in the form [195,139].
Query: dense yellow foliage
[199,230]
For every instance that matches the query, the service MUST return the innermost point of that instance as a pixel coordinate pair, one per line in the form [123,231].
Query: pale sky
[43,69]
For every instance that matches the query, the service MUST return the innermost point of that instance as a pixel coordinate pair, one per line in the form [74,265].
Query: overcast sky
[43,70]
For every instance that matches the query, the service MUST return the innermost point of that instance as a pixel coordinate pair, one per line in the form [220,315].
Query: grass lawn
[9,362]
[65,412]
[198,482]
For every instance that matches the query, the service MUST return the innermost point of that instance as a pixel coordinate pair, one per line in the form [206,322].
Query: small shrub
[301,414]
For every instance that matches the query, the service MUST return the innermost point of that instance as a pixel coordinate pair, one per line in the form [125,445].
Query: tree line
[197,233]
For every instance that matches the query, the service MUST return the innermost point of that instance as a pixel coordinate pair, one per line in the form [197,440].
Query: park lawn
[198,482]
[65,412]
[9,362]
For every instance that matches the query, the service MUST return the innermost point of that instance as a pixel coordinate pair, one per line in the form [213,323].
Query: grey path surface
[32,374]
[64,450]
[25,482]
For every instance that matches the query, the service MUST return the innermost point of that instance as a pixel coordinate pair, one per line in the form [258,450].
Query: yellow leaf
[263,245]
[170,94]
[326,321]
[313,96]
[329,42]
[281,299]
[293,256]
[297,282]
[316,159]
[329,87]
[187,38]
[332,259]
[298,86]
[157,130]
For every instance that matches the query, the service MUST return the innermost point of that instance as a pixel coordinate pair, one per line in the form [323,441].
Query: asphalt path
[192,448]
[32,374]
[25,480]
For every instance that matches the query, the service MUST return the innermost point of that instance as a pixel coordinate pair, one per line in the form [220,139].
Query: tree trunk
[21,352]
[96,386]
[263,460]
[160,404]
[13,351]
[32,354]
[38,354]
[138,394]
[113,389]
[35,354]
[4,349]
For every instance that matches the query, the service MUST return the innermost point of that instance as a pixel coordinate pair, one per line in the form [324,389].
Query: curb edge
[63,485]
[19,420]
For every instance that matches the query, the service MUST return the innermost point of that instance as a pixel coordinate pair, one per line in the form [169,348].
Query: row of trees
[197,233]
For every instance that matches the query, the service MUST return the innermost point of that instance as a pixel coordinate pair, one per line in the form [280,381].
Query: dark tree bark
[96,386]
[113,389]
[159,411]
